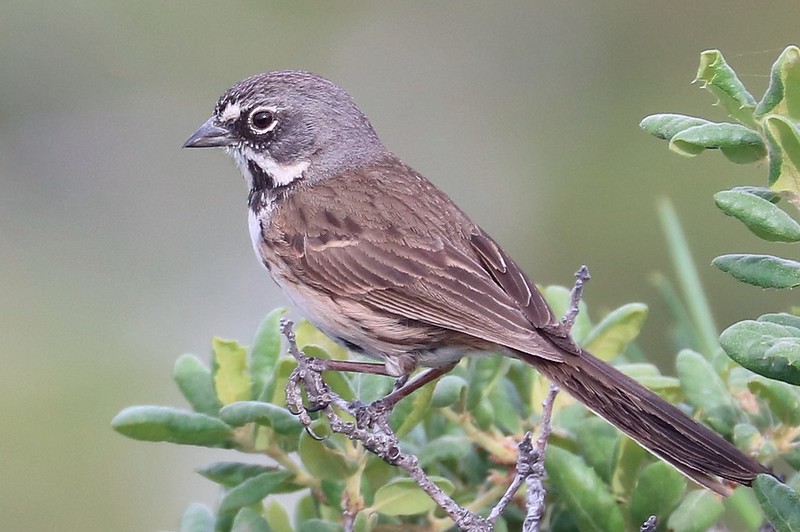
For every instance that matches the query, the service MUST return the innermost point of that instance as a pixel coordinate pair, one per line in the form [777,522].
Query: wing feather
[436,284]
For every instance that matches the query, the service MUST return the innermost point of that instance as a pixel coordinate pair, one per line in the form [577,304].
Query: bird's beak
[209,135]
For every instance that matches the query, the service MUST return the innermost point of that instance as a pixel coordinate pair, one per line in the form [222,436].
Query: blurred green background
[119,251]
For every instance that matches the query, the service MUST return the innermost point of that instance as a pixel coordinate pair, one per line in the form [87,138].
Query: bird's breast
[255,216]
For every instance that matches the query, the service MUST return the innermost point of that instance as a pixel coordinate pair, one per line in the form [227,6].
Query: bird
[386,264]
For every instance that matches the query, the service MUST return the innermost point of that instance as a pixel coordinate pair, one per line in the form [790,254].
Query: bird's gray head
[288,125]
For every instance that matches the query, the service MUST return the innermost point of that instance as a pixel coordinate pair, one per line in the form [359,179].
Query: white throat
[281,174]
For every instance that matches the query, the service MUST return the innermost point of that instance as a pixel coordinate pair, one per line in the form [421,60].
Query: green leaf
[163,423]
[592,506]
[233,473]
[305,510]
[658,491]
[742,511]
[404,497]
[763,218]
[783,399]
[697,512]
[507,406]
[616,331]
[792,457]
[783,94]
[249,520]
[263,354]
[721,81]
[783,143]
[319,525]
[597,441]
[276,516]
[266,414]
[483,414]
[231,377]
[376,474]
[684,332]
[747,437]
[253,490]
[332,491]
[568,419]
[665,126]
[766,348]
[779,502]
[706,391]
[500,525]
[629,458]
[449,389]
[762,192]
[765,271]
[224,521]
[197,518]
[365,522]
[444,448]
[369,388]
[323,459]
[412,410]
[650,377]
[230,474]
[781,318]
[308,335]
[740,144]
[195,382]
[482,373]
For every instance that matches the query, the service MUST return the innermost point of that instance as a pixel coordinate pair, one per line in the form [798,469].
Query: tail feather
[692,448]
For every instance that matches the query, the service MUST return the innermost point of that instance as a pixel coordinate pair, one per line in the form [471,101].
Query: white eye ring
[262,120]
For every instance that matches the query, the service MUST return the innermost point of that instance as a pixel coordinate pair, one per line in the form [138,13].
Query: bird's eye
[262,121]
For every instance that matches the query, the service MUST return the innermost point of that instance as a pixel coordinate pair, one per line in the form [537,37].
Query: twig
[649,525]
[581,277]
[534,481]
[526,465]
[371,429]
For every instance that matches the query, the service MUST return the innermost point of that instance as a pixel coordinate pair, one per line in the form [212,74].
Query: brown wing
[408,252]
[515,283]
[433,283]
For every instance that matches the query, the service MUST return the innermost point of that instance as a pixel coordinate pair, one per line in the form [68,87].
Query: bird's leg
[406,388]
[352,366]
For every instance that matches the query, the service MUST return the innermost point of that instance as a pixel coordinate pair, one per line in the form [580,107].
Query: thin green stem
[688,279]
[301,477]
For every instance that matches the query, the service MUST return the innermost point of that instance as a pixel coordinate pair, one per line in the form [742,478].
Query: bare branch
[649,525]
[581,277]
[526,465]
[534,481]
[371,429]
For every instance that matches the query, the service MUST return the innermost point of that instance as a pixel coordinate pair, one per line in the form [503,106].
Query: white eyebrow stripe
[231,112]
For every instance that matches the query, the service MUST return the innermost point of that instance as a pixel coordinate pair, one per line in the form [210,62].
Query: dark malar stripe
[261,179]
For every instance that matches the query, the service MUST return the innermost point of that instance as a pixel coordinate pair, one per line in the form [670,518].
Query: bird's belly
[401,344]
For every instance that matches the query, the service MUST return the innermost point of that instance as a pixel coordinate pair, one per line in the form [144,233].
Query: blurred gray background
[119,251]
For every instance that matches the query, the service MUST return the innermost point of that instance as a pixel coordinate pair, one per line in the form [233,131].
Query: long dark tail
[695,450]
